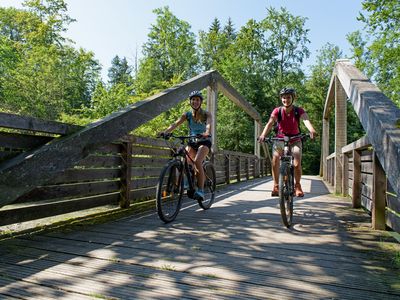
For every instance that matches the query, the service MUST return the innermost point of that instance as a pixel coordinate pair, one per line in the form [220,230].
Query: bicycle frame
[286,178]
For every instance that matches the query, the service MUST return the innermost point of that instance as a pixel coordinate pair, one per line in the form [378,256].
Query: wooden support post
[356,196]
[257,133]
[340,132]
[212,96]
[227,168]
[125,181]
[325,148]
[378,196]
[345,175]
[247,163]
[238,165]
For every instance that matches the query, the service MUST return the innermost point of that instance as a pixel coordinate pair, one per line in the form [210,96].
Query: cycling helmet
[196,94]
[287,90]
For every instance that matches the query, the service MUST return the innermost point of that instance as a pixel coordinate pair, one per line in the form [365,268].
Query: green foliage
[169,53]
[120,72]
[378,52]
[41,75]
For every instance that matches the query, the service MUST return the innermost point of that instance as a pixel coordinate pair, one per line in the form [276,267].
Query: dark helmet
[286,90]
[195,94]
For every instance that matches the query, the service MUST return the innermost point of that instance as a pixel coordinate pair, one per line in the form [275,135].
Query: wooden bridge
[238,248]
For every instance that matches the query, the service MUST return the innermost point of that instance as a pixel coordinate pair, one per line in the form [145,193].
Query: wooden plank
[149,161]
[68,151]
[28,213]
[69,190]
[33,124]
[125,180]
[22,141]
[100,161]
[82,175]
[139,150]
[393,221]
[146,172]
[144,182]
[393,202]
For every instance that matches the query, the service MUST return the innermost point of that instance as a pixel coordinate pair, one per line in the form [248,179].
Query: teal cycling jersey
[195,128]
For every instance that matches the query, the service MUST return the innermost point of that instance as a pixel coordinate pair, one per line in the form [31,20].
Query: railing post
[356,196]
[378,195]
[325,148]
[340,132]
[125,180]
[238,169]
[212,97]
[345,175]
[227,168]
[247,164]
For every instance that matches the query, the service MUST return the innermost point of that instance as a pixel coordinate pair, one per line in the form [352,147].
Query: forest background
[43,75]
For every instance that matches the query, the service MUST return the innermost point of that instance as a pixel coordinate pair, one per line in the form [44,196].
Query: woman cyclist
[288,117]
[199,122]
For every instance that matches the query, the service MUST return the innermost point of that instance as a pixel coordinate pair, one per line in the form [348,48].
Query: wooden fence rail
[364,180]
[123,172]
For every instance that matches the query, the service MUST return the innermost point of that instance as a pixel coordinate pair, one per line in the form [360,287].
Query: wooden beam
[378,116]
[30,169]
[33,124]
[235,97]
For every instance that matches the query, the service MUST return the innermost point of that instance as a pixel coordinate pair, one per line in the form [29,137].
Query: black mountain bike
[286,177]
[170,188]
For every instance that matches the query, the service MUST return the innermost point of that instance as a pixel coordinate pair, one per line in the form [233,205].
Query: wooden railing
[22,174]
[123,172]
[367,170]
[365,182]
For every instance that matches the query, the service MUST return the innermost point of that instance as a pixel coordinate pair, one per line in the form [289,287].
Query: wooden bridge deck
[236,250]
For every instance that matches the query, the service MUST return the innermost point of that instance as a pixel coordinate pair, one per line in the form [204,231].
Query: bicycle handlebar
[302,136]
[181,137]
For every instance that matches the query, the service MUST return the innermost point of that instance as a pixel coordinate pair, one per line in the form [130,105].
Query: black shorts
[195,144]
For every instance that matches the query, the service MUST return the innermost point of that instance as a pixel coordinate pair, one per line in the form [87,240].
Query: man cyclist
[199,122]
[287,118]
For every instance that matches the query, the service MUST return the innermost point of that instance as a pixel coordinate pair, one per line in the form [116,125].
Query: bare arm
[176,124]
[208,125]
[308,124]
[267,129]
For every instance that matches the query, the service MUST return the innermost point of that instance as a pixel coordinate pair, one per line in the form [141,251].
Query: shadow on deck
[238,249]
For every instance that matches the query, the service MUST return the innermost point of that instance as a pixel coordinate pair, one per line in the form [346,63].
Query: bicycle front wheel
[286,194]
[170,191]
[209,186]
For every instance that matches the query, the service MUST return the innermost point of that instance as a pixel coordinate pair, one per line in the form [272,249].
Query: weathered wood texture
[124,172]
[26,171]
[370,187]
[238,249]
[378,116]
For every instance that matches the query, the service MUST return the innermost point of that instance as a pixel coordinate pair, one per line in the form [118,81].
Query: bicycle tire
[170,191]
[286,194]
[209,186]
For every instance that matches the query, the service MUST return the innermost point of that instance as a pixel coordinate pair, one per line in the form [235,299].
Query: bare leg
[198,161]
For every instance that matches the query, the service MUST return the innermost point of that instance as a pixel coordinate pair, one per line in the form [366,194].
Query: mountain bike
[286,177]
[170,187]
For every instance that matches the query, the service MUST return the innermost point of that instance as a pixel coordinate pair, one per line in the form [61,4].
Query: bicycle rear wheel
[209,186]
[170,191]
[286,194]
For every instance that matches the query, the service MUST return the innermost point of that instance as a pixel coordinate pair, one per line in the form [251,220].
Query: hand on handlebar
[164,135]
